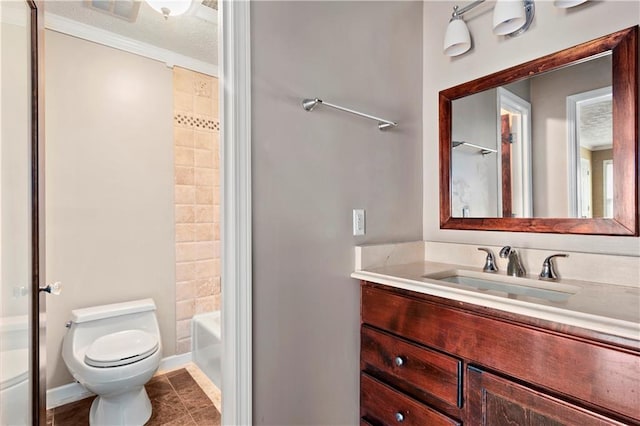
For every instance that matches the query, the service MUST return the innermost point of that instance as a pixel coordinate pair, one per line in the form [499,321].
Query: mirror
[546,146]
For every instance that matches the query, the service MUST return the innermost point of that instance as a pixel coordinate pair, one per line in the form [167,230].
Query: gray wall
[553,29]
[309,170]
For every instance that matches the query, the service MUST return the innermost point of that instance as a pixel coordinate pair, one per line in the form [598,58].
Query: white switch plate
[358,222]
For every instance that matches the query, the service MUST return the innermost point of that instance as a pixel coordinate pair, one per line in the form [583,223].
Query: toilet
[113,350]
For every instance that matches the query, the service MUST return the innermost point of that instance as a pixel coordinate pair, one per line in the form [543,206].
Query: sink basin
[504,285]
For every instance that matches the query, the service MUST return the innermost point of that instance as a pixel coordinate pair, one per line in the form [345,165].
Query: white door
[585,189]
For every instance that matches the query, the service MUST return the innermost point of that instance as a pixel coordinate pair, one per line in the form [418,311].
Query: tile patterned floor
[182,397]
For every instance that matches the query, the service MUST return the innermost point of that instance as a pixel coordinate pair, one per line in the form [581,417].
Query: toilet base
[129,408]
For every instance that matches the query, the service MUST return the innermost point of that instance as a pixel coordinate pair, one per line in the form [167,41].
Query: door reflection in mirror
[515,153]
[590,139]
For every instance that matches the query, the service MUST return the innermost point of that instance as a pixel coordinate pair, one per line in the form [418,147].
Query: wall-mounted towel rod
[483,149]
[309,104]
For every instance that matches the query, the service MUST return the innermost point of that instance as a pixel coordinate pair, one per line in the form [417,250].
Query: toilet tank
[87,324]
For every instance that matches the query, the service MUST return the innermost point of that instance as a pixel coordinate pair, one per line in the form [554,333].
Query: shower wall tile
[204,195]
[185,175]
[184,345]
[186,252]
[203,140]
[183,80]
[186,291]
[205,304]
[216,194]
[203,106]
[183,137]
[207,287]
[185,309]
[203,158]
[216,286]
[206,250]
[204,269]
[184,156]
[183,102]
[204,213]
[204,177]
[197,199]
[185,194]
[183,329]
[185,214]
[185,232]
[185,271]
[204,232]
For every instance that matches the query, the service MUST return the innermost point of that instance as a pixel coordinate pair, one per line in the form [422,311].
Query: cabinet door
[496,401]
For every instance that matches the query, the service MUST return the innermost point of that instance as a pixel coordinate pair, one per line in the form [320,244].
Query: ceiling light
[170,7]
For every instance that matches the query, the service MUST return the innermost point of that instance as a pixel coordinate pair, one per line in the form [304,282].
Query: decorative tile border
[196,122]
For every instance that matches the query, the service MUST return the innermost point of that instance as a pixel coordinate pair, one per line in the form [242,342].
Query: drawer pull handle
[399,362]
[399,417]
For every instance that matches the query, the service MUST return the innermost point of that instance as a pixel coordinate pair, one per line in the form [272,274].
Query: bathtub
[14,368]
[206,343]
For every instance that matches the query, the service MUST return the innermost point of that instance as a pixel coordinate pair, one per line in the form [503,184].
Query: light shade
[457,39]
[508,16]
[565,4]
[170,7]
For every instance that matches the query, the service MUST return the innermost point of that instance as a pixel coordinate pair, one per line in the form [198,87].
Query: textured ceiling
[188,34]
[596,125]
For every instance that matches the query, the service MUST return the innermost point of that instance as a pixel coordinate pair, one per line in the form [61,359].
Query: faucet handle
[490,262]
[548,272]
[505,252]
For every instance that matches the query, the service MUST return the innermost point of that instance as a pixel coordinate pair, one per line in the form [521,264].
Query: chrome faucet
[490,262]
[548,272]
[514,267]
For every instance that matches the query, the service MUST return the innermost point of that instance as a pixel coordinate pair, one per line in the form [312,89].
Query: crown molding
[107,38]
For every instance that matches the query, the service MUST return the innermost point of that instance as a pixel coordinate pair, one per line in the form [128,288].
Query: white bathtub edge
[73,392]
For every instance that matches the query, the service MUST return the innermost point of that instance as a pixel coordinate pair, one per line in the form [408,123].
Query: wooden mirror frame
[624,47]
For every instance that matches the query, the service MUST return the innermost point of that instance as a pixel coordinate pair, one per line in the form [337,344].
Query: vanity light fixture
[457,39]
[510,18]
[170,7]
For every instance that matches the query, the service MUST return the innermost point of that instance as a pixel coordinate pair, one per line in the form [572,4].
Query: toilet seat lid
[121,348]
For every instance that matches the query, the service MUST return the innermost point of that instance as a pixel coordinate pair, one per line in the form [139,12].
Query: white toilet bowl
[113,350]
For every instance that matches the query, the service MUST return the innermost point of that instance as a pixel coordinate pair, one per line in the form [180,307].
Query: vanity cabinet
[432,361]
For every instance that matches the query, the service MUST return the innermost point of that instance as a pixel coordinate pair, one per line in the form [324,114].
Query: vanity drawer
[429,371]
[563,364]
[381,404]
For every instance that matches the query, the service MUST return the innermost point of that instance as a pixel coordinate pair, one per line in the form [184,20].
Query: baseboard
[174,362]
[72,392]
[66,394]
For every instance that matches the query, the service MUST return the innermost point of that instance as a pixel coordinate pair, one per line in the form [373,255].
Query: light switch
[358,222]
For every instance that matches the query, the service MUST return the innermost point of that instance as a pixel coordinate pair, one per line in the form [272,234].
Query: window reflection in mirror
[539,147]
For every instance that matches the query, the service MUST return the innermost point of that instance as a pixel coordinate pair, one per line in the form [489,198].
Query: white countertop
[610,309]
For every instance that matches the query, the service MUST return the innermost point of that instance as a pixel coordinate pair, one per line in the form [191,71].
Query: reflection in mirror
[526,161]
[526,149]
[590,127]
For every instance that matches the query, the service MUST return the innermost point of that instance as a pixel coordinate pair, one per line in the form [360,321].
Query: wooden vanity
[427,360]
